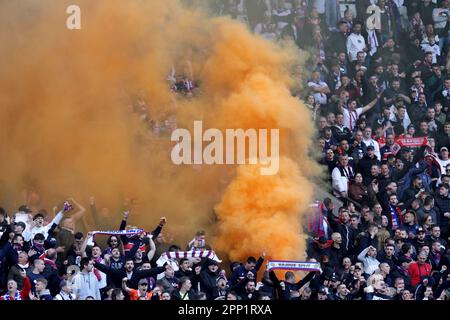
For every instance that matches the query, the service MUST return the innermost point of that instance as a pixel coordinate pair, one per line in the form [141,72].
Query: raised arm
[81,210]
[372,104]
[133,250]
[260,260]
[280,286]
[107,270]
[306,279]
[94,213]
[151,252]
[55,222]
[363,253]
[84,245]
[151,272]
[123,224]
[124,285]
[273,277]
[157,231]
[340,107]
[26,285]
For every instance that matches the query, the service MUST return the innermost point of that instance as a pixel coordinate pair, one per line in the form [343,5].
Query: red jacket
[24,292]
[417,271]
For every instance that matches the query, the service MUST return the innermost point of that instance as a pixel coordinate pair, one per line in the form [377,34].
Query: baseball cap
[211,262]
[142,281]
[323,290]
[334,278]
[443,148]
[420,230]
[20,223]
[370,148]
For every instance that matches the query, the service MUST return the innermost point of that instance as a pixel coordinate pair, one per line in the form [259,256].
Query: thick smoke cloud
[69,128]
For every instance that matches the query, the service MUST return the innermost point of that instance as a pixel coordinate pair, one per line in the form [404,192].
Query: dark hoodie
[365,165]
[316,252]
[208,280]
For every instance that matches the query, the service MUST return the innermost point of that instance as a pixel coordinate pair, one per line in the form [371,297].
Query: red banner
[406,142]
[412,142]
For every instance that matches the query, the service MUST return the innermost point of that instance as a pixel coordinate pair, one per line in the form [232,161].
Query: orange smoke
[69,126]
[252,91]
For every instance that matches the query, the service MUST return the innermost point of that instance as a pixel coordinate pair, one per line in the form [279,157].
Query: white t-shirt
[350,117]
[355,44]
[434,49]
[86,285]
[320,97]
[443,164]
[27,219]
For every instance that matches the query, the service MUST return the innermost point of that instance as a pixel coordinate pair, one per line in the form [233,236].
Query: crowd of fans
[379,93]
[379,97]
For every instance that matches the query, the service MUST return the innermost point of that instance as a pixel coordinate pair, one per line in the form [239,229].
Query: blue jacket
[241,272]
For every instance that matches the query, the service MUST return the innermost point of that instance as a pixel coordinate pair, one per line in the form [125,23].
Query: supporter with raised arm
[251,265]
[13,293]
[129,272]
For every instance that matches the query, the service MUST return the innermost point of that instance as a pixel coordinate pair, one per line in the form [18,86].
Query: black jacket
[208,282]
[365,164]
[443,205]
[177,296]
[241,272]
[180,273]
[118,274]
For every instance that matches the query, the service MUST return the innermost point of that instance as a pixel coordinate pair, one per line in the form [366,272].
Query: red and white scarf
[166,256]
[131,232]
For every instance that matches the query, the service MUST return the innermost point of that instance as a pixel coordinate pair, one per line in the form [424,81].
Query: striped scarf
[128,233]
[316,220]
[166,256]
[17,296]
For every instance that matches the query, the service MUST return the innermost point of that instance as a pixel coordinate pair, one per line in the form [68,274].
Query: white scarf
[373,41]
[166,256]
[293,265]
[128,233]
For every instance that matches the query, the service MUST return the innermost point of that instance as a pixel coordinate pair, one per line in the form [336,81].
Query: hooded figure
[208,278]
